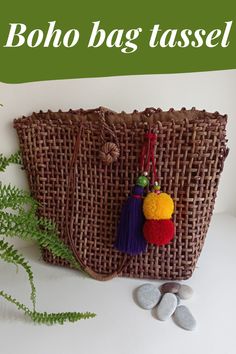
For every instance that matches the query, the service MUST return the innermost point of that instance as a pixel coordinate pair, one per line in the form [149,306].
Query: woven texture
[191,149]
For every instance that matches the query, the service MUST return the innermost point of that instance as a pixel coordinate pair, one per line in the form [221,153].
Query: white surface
[121,327]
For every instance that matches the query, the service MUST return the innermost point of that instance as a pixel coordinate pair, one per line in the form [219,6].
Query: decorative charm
[109,153]
[133,232]
[130,238]
[158,208]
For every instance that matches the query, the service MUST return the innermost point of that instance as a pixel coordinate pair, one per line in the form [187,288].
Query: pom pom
[159,232]
[158,206]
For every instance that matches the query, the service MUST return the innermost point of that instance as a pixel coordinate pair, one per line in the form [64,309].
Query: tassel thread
[130,238]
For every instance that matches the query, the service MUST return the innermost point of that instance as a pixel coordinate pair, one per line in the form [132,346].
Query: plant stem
[48,318]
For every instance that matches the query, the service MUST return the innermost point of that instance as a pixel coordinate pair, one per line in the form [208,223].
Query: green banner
[47,40]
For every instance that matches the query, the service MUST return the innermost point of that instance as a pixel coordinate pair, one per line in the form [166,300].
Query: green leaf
[18,217]
[11,255]
[26,224]
[48,318]
[6,161]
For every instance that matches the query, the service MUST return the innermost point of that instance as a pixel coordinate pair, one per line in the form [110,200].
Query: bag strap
[69,223]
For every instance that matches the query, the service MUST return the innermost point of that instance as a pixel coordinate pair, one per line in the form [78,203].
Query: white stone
[185,292]
[184,318]
[166,307]
[147,296]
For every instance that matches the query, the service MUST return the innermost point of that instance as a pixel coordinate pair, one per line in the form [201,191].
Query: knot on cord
[109,153]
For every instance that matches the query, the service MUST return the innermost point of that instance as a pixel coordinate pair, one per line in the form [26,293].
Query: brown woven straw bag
[81,166]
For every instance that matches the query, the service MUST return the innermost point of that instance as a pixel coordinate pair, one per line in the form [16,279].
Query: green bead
[142,181]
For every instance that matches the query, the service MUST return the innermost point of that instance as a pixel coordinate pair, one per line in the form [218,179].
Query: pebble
[178,299]
[148,296]
[166,307]
[185,292]
[171,287]
[184,318]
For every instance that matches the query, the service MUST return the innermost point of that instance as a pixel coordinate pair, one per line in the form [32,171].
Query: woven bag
[83,192]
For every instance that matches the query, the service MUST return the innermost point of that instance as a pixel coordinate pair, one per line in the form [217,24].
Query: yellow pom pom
[158,206]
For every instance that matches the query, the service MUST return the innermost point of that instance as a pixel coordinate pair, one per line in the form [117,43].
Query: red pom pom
[159,232]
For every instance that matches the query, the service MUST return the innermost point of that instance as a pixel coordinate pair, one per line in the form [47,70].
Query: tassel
[130,238]
[158,208]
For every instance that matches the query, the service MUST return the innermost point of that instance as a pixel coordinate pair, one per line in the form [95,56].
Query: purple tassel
[130,237]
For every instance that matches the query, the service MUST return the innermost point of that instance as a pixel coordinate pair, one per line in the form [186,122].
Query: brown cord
[106,128]
[109,151]
[69,221]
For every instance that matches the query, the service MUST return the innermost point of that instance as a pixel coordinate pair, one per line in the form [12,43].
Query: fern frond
[61,317]
[48,318]
[11,255]
[15,198]
[6,161]
[28,227]
[11,299]
[18,217]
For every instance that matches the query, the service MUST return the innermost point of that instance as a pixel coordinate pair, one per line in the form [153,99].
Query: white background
[121,327]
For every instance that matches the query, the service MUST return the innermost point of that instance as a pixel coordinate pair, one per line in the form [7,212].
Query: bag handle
[69,223]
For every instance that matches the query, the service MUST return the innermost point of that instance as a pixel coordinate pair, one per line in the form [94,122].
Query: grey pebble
[147,296]
[178,299]
[166,307]
[185,292]
[170,287]
[184,318]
